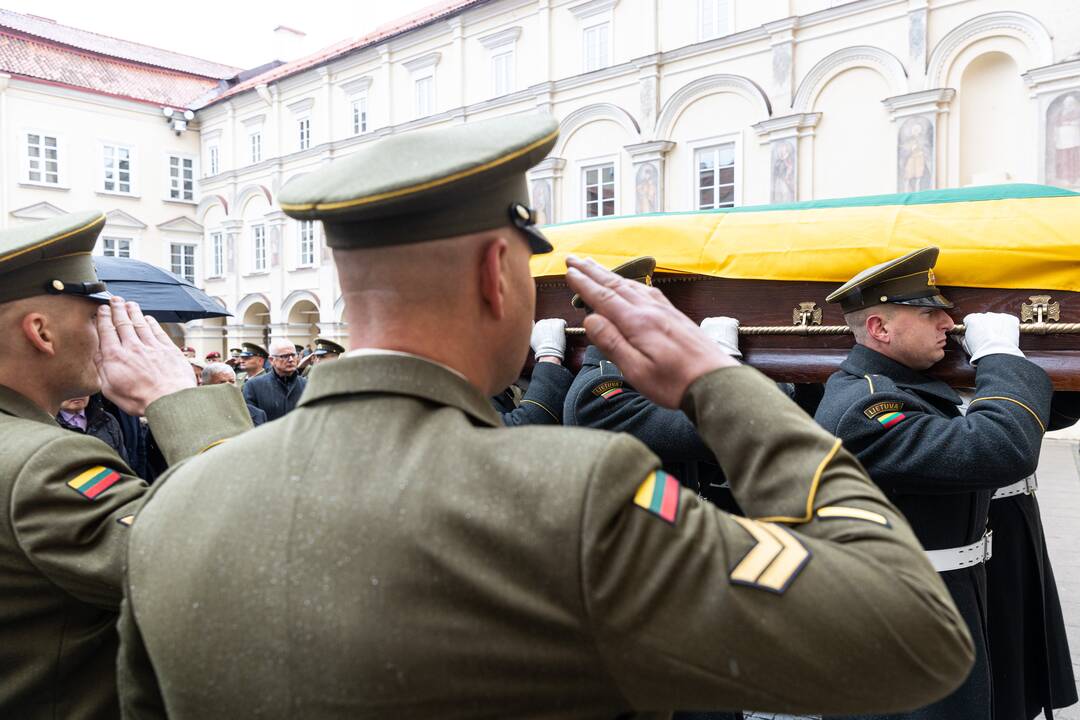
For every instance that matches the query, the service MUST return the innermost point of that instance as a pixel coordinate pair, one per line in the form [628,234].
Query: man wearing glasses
[277,392]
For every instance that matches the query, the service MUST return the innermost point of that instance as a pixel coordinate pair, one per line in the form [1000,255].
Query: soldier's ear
[494,276]
[39,332]
[877,328]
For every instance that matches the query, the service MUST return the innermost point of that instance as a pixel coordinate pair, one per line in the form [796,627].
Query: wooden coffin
[1001,247]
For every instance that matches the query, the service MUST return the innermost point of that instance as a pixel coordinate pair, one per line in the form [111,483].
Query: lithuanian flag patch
[94,481]
[889,419]
[659,495]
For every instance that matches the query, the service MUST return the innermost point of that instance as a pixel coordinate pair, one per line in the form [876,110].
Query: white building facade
[83,126]
[664,105]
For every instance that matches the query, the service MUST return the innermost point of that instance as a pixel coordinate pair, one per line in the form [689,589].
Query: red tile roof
[427,15]
[38,59]
[113,47]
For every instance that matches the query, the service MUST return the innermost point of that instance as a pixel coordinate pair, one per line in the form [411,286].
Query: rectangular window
[714,18]
[182,261]
[115,247]
[425,96]
[597,40]
[214,160]
[307,242]
[117,167]
[715,176]
[303,129]
[217,255]
[42,159]
[359,115]
[181,178]
[255,145]
[258,236]
[502,73]
[599,184]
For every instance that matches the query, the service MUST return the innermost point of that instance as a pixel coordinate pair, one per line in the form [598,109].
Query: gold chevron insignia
[774,561]
[840,512]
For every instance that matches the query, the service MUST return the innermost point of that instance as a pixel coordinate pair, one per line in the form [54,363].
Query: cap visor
[934,301]
[537,242]
[102,297]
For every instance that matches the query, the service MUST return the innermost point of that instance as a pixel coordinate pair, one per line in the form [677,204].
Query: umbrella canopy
[161,294]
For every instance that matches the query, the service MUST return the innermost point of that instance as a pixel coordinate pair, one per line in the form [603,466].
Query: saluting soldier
[939,465]
[542,402]
[325,351]
[421,560]
[68,499]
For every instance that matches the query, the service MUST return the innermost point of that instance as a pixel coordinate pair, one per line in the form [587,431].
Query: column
[917,117]
[648,93]
[917,42]
[545,188]
[386,71]
[457,41]
[789,138]
[649,159]
[543,26]
[782,41]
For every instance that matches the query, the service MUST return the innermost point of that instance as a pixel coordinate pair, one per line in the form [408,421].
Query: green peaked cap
[52,257]
[428,184]
[906,280]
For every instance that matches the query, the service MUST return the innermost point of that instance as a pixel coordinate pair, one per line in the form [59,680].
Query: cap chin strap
[59,287]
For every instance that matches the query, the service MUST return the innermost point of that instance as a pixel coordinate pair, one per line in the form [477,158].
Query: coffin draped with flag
[773,265]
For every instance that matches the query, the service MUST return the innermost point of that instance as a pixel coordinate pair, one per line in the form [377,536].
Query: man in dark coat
[542,402]
[1029,649]
[937,464]
[87,416]
[278,391]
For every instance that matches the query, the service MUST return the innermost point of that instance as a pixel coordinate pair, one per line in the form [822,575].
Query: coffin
[1004,248]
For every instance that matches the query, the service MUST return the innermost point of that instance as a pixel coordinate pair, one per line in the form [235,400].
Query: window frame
[27,160]
[303,132]
[360,122]
[300,241]
[116,251]
[258,234]
[720,8]
[103,147]
[429,100]
[600,22]
[509,52]
[213,159]
[254,140]
[190,252]
[715,142]
[599,164]
[216,244]
[182,157]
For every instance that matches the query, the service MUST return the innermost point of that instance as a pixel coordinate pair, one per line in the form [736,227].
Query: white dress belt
[961,557]
[1024,487]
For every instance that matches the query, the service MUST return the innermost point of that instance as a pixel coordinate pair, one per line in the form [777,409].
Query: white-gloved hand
[723,331]
[991,333]
[549,338]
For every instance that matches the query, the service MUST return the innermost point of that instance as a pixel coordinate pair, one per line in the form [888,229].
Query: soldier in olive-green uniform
[253,361]
[68,499]
[325,351]
[388,549]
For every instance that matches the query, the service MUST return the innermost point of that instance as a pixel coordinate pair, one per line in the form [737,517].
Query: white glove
[991,333]
[723,331]
[549,338]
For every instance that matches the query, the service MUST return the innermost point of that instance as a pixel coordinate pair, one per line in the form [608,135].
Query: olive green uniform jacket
[67,501]
[419,560]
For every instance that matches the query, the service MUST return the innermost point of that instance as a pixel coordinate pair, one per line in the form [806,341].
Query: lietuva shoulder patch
[608,389]
[91,483]
[883,407]
[658,494]
[775,560]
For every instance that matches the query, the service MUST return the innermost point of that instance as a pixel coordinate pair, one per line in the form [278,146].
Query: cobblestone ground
[1059,500]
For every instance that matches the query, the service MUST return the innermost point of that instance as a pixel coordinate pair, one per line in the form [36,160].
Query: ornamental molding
[710,85]
[357,86]
[592,8]
[301,106]
[508,36]
[591,113]
[936,100]
[837,62]
[1032,33]
[423,62]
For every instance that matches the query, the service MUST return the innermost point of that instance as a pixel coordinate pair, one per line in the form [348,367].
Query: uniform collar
[864,361]
[592,356]
[20,406]
[389,372]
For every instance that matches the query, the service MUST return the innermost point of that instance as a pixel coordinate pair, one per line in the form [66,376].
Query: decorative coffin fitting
[1001,246]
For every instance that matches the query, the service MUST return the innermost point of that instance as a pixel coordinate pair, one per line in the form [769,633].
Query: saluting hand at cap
[658,349]
[136,361]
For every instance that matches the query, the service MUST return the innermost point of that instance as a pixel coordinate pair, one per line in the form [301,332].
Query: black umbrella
[165,296]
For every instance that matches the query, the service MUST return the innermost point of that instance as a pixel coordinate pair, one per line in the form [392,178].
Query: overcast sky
[234,32]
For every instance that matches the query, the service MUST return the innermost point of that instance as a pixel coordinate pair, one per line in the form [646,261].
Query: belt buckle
[987,545]
[1031,484]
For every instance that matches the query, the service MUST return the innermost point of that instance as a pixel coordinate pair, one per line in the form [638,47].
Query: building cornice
[591,8]
[509,36]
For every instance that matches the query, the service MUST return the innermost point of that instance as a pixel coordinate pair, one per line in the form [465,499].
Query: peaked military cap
[52,257]
[251,350]
[428,184]
[640,269]
[907,280]
[327,347]
[236,352]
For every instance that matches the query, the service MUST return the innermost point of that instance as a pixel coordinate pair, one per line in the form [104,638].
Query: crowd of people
[402,535]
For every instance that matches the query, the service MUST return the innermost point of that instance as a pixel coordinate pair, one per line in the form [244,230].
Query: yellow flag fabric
[1006,236]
